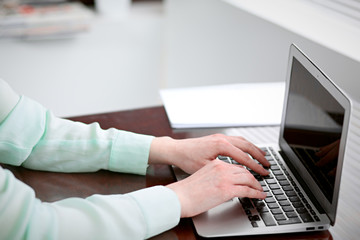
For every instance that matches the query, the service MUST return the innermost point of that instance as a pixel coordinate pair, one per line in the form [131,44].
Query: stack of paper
[232,105]
[44,21]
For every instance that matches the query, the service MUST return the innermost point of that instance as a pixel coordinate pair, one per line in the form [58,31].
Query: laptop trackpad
[222,220]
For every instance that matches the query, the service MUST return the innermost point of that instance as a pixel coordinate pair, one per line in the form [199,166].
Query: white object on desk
[231,105]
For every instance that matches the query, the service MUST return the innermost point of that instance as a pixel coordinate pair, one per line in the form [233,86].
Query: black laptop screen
[313,126]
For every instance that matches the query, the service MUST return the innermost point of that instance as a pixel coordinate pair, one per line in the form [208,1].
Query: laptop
[306,162]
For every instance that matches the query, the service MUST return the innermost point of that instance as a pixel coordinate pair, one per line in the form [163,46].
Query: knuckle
[220,143]
[242,138]
[220,166]
[249,177]
[218,135]
[247,145]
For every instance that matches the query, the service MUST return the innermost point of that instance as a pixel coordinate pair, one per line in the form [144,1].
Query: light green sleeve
[33,137]
[137,215]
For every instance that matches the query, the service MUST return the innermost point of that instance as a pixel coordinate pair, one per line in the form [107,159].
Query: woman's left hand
[192,154]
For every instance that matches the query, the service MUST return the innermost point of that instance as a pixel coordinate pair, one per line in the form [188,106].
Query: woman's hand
[215,183]
[192,154]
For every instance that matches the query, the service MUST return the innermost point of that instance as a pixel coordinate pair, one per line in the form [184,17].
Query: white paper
[231,105]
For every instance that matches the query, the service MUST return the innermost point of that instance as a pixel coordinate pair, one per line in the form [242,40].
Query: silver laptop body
[303,185]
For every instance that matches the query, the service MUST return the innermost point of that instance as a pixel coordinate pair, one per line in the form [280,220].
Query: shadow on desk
[50,187]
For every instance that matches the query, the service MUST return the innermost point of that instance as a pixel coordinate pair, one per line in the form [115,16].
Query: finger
[328,158]
[247,179]
[324,150]
[245,191]
[250,148]
[242,158]
[332,173]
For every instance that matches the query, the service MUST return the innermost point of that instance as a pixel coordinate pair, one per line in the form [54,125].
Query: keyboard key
[254,218]
[274,186]
[276,211]
[259,204]
[280,197]
[222,157]
[290,221]
[288,188]
[262,209]
[278,172]
[284,183]
[265,150]
[294,199]
[291,214]
[268,219]
[298,204]
[270,200]
[270,181]
[290,193]
[280,217]
[235,162]
[288,208]
[277,192]
[284,203]
[254,224]
[280,177]
[246,203]
[301,210]
[306,217]
[273,205]
[275,167]
[268,176]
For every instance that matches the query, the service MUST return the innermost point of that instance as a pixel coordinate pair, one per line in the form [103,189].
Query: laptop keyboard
[284,204]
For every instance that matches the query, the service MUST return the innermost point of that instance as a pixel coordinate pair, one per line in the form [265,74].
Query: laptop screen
[313,126]
[314,129]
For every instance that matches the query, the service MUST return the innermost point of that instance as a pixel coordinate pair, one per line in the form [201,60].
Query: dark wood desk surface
[55,186]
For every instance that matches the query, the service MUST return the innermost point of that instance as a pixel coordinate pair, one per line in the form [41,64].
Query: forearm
[33,137]
[69,146]
[136,215]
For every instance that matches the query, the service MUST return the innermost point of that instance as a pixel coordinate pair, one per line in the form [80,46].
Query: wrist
[162,150]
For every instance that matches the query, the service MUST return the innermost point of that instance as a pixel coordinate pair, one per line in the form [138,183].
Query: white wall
[216,42]
[114,66]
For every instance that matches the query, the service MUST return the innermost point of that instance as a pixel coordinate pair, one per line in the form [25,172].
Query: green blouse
[33,137]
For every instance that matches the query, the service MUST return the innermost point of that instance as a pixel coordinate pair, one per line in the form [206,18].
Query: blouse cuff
[8,99]
[160,207]
[130,153]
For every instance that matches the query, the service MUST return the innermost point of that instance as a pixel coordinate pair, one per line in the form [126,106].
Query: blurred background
[97,56]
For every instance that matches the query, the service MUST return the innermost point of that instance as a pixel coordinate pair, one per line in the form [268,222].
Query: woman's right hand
[213,184]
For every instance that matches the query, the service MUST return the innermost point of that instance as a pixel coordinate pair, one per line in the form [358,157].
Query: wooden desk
[55,186]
